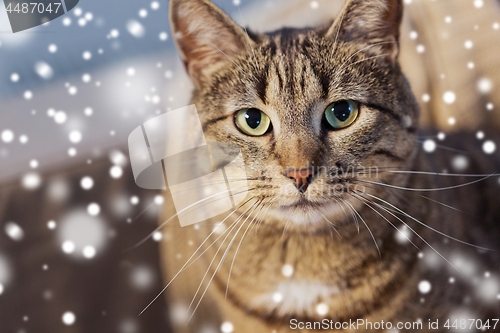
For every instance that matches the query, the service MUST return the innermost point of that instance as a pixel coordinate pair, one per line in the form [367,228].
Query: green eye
[342,113]
[252,122]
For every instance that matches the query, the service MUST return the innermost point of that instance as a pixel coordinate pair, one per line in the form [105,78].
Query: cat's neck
[306,267]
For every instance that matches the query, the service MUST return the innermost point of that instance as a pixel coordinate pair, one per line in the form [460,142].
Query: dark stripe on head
[279,77]
[324,80]
[261,84]
[290,84]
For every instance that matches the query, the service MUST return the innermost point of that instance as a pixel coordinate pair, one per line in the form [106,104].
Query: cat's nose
[302,178]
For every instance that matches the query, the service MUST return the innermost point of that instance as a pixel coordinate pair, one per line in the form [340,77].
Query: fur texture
[339,237]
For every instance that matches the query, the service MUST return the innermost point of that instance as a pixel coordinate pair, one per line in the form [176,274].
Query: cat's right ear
[205,36]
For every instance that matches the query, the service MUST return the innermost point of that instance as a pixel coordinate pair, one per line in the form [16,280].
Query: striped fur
[293,75]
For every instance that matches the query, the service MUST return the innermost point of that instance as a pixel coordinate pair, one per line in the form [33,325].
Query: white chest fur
[295,297]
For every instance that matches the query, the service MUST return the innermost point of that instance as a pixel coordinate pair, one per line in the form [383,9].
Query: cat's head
[316,112]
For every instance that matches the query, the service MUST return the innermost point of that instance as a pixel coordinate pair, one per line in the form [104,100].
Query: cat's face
[317,112]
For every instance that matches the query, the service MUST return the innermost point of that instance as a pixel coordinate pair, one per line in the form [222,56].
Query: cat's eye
[252,122]
[341,114]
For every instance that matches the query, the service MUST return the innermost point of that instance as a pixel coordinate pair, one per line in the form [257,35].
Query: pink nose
[301,177]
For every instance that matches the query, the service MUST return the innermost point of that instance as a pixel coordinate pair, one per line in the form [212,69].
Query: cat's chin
[305,212]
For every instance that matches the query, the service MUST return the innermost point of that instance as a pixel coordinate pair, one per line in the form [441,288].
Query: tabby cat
[338,225]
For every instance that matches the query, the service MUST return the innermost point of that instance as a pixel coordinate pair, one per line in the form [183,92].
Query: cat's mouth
[305,203]
[324,201]
[308,213]
[304,211]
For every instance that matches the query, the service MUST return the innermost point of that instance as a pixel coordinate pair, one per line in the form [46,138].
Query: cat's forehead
[296,69]
[289,41]
[299,72]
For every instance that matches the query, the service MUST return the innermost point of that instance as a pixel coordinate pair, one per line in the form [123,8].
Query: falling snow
[52,48]
[60,117]
[287,270]
[7,136]
[116,171]
[87,183]
[322,309]
[135,28]
[424,287]
[134,200]
[155,5]
[227,327]
[31,181]
[68,318]
[489,147]
[403,235]
[460,163]
[449,97]
[142,277]
[484,86]
[93,209]
[44,70]
[14,231]
[159,200]
[277,297]
[429,146]
[75,136]
[83,234]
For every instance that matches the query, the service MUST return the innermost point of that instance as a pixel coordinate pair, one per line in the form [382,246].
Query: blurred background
[72,90]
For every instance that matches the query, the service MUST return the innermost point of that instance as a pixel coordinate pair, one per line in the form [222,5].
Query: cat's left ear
[369,22]
[205,36]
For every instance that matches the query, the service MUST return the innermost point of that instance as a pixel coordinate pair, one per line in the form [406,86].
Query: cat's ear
[205,35]
[370,22]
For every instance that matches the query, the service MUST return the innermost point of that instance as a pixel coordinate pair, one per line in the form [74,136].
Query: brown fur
[293,75]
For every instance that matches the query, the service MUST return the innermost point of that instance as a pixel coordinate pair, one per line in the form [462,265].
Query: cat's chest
[297,296]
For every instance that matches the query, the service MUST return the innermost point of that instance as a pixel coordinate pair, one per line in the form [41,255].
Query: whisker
[426,189]
[369,58]
[236,252]
[342,207]
[186,264]
[284,231]
[338,31]
[182,211]
[330,227]
[444,147]
[453,208]
[259,215]
[262,219]
[217,252]
[144,211]
[249,41]
[373,237]
[365,48]
[215,241]
[188,189]
[428,227]
[352,209]
[426,242]
[217,268]
[332,224]
[368,205]
[228,58]
[444,174]
[391,192]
